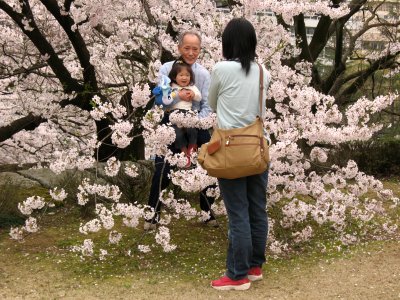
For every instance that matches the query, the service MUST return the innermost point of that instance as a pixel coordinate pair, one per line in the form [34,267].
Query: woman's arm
[213,90]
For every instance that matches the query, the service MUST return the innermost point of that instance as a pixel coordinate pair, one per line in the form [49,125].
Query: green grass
[200,253]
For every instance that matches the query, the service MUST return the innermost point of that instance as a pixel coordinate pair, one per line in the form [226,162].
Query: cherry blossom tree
[75,89]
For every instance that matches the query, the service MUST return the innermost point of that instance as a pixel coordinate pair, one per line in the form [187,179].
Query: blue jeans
[245,200]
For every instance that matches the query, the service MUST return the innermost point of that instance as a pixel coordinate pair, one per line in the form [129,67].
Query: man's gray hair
[183,34]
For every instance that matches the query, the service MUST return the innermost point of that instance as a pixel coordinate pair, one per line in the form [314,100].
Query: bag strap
[261,89]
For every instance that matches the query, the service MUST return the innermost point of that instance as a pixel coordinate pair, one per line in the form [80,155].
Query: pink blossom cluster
[86,249]
[303,235]
[103,253]
[288,9]
[131,170]
[102,108]
[144,248]
[163,238]
[73,158]
[181,207]
[193,180]
[58,194]
[120,136]
[157,137]
[348,239]
[105,220]
[107,191]
[112,167]
[140,95]
[131,213]
[176,159]
[114,237]
[30,204]
[190,119]
[318,154]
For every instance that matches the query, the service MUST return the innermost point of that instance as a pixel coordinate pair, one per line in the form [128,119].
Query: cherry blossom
[125,44]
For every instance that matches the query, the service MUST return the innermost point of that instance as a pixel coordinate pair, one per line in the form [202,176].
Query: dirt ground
[369,273]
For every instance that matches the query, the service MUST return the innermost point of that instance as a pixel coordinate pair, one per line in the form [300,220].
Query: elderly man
[189,47]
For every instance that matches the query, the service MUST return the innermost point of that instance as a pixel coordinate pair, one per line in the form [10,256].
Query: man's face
[190,48]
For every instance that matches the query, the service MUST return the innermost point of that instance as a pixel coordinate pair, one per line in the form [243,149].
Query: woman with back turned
[234,95]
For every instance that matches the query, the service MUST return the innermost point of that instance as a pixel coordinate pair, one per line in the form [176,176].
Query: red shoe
[188,162]
[254,274]
[226,284]
[192,148]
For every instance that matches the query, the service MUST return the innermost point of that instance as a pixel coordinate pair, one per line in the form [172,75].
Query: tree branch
[67,4]
[24,70]
[29,122]
[147,10]
[320,37]
[382,63]
[340,57]
[391,112]
[301,38]
[89,75]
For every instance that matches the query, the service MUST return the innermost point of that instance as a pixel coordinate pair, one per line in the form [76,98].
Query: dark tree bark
[301,38]
[78,44]
[382,63]
[29,122]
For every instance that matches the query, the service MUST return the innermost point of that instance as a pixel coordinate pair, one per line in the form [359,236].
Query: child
[182,78]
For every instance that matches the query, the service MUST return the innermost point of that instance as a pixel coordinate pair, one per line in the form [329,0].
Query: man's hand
[186,95]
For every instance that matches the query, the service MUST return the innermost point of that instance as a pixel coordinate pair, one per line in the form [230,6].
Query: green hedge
[374,157]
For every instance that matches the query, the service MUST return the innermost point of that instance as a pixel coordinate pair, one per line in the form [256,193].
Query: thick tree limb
[29,122]
[147,10]
[320,37]
[301,38]
[340,57]
[67,4]
[282,22]
[77,42]
[339,65]
[382,63]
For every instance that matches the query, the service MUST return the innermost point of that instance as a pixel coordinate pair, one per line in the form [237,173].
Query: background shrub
[379,157]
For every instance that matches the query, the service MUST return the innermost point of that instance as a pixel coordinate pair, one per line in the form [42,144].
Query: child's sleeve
[197,94]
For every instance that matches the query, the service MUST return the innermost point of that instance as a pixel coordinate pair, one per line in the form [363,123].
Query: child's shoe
[192,148]
[188,162]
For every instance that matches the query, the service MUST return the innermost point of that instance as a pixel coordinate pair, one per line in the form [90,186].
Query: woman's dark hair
[239,42]
[177,66]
